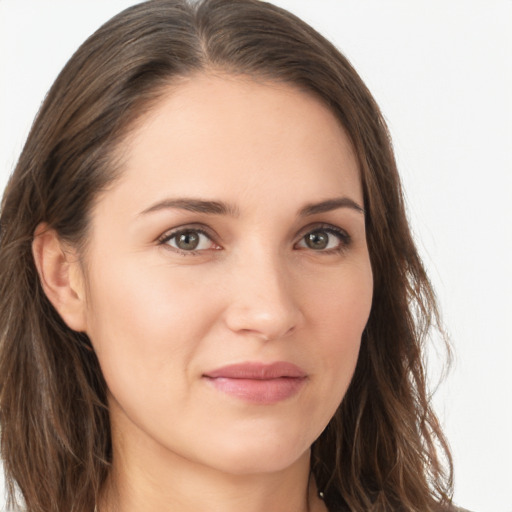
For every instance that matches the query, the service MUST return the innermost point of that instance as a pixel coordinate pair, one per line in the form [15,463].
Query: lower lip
[259,391]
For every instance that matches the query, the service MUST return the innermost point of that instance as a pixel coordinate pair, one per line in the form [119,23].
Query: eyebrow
[329,205]
[195,205]
[222,208]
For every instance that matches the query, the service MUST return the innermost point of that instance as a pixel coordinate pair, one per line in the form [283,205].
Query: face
[228,276]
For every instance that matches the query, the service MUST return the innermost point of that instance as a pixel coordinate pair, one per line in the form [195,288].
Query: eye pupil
[188,241]
[317,240]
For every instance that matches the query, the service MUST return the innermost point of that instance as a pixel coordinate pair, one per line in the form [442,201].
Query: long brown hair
[384,449]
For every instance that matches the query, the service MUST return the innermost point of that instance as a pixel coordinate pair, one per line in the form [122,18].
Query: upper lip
[257,371]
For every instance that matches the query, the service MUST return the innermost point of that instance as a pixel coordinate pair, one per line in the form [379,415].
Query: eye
[188,240]
[325,239]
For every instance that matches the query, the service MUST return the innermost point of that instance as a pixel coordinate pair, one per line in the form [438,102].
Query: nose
[262,302]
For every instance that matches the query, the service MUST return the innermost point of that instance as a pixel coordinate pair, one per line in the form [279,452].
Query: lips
[258,383]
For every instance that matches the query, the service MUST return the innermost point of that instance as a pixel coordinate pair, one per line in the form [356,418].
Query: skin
[254,290]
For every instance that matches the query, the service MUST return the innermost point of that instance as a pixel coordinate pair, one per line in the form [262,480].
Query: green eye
[325,240]
[318,240]
[188,240]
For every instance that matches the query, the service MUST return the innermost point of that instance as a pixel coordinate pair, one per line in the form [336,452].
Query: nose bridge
[262,301]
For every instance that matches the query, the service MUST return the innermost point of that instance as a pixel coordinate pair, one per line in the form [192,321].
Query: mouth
[257,382]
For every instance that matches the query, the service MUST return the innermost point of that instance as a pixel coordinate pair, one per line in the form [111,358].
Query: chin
[252,465]
[262,454]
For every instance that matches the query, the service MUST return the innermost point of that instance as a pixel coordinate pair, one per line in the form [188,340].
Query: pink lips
[257,382]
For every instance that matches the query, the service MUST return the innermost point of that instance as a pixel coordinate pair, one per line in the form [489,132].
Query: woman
[211,299]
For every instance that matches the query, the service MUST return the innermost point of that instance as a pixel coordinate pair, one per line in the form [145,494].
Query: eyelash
[342,236]
[167,237]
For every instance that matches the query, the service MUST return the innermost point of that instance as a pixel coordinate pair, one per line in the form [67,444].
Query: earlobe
[60,276]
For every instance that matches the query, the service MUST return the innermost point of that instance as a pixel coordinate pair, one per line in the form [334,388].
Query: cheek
[145,320]
[339,304]
[337,314]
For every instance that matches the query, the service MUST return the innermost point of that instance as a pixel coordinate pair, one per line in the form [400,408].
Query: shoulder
[458,509]
[444,509]
[454,508]
[337,507]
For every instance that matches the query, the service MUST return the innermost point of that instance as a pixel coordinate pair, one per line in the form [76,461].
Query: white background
[441,72]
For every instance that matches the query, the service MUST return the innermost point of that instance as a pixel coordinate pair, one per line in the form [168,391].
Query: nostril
[266,329]
[261,335]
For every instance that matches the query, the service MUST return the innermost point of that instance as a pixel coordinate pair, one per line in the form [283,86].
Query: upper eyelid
[322,225]
[212,235]
[344,239]
[203,228]
[164,240]
[200,228]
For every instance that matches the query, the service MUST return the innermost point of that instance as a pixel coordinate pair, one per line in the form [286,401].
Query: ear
[61,276]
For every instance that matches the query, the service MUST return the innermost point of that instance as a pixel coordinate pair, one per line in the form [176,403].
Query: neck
[146,475]
[144,485]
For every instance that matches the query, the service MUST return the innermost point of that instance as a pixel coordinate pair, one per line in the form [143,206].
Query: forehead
[229,135]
